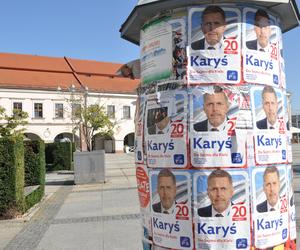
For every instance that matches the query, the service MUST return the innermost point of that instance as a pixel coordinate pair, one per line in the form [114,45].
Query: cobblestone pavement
[96,216]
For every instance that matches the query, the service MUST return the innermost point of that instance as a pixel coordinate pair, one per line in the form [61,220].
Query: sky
[89,29]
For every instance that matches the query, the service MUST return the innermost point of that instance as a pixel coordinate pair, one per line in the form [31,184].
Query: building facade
[49,89]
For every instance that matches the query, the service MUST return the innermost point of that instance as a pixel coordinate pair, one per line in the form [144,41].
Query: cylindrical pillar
[213,151]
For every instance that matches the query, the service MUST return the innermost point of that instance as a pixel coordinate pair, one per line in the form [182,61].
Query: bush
[11,175]
[58,156]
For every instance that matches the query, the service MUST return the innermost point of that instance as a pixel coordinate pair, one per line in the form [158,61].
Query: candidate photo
[210,27]
[270,110]
[158,121]
[215,107]
[262,30]
[220,192]
[271,190]
[166,189]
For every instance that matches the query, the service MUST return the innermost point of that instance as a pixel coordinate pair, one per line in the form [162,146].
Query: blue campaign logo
[241,243]
[284,233]
[232,75]
[139,155]
[185,241]
[179,159]
[283,154]
[275,79]
[236,158]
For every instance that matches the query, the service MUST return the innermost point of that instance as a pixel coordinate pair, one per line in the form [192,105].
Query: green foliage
[34,163]
[11,123]
[34,197]
[93,119]
[11,175]
[58,156]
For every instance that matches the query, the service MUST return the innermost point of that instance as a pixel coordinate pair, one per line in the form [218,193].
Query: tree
[93,119]
[9,124]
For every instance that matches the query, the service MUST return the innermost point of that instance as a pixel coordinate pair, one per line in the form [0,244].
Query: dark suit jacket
[157,207]
[262,207]
[252,44]
[205,211]
[152,130]
[198,45]
[262,124]
[201,126]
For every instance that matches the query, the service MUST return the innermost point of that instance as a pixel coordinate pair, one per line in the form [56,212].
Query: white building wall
[48,127]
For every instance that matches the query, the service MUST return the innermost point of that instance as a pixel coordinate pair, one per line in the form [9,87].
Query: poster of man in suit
[171,204]
[270,203]
[261,38]
[214,44]
[221,199]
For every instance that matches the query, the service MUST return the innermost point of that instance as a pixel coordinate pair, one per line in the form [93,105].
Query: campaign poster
[269,123]
[260,47]
[214,45]
[163,55]
[221,209]
[139,129]
[171,208]
[215,139]
[166,127]
[270,205]
[292,205]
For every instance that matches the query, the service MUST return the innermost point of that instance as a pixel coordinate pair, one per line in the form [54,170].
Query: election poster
[260,47]
[163,54]
[270,205]
[221,209]
[269,123]
[171,208]
[214,45]
[215,140]
[291,205]
[166,127]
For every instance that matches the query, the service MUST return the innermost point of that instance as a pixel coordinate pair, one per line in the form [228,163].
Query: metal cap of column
[286,10]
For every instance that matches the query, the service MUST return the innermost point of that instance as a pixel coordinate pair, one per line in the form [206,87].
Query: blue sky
[89,29]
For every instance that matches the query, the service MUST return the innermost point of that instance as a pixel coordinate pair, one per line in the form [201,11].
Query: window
[38,110]
[126,112]
[17,106]
[111,111]
[59,110]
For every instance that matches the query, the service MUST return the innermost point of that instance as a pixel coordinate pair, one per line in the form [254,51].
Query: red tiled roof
[47,73]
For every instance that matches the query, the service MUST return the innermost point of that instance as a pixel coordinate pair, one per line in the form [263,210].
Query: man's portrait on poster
[270,108]
[271,189]
[159,121]
[213,26]
[262,30]
[166,189]
[220,191]
[215,107]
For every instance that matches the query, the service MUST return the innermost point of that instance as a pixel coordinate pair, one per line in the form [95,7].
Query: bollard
[213,140]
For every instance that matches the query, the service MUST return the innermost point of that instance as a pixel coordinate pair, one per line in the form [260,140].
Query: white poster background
[173,230]
[231,232]
[156,50]
[215,66]
[270,228]
[260,67]
[225,148]
[168,149]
